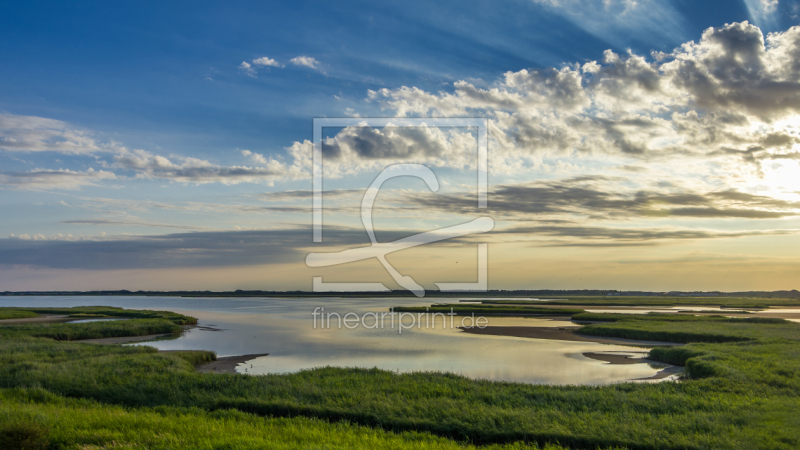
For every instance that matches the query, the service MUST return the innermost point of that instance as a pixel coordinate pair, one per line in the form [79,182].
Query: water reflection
[283,328]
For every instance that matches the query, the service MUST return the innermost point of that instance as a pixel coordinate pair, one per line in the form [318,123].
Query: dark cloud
[307,194]
[630,168]
[792,155]
[781,140]
[730,68]
[583,236]
[257,247]
[586,197]
[372,143]
[390,142]
[198,249]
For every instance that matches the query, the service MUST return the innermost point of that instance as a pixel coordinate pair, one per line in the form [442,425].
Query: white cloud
[266,62]
[715,111]
[194,170]
[247,68]
[38,134]
[731,97]
[255,157]
[306,61]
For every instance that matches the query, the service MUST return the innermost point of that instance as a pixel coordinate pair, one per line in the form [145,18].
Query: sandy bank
[617,358]
[227,364]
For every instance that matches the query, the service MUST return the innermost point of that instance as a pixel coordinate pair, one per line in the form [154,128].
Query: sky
[633,144]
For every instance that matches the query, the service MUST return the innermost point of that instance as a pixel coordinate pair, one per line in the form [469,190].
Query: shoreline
[227,364]
[617,358]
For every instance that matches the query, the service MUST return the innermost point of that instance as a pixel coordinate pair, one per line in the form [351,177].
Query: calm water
[284,328]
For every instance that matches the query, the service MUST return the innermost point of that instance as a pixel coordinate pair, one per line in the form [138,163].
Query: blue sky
[127,84]
[165,74]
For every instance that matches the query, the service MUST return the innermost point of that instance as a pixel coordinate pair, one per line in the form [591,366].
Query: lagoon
[284,328]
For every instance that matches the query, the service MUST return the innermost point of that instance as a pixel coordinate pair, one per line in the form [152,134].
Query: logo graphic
[380,250]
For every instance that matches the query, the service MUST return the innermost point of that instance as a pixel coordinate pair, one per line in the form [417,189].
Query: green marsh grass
[57,422]
[110,311]
[14,313]
[92,330]
[742,391]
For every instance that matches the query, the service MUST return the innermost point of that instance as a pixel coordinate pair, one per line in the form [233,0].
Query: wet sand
[616,358]
[664,373]
[227,364]
[566,333]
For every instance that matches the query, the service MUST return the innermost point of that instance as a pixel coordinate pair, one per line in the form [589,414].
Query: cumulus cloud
[266,62]
[700,111]
[733,95]
[359,148]
[247,68]
[255,157]
[306,61]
